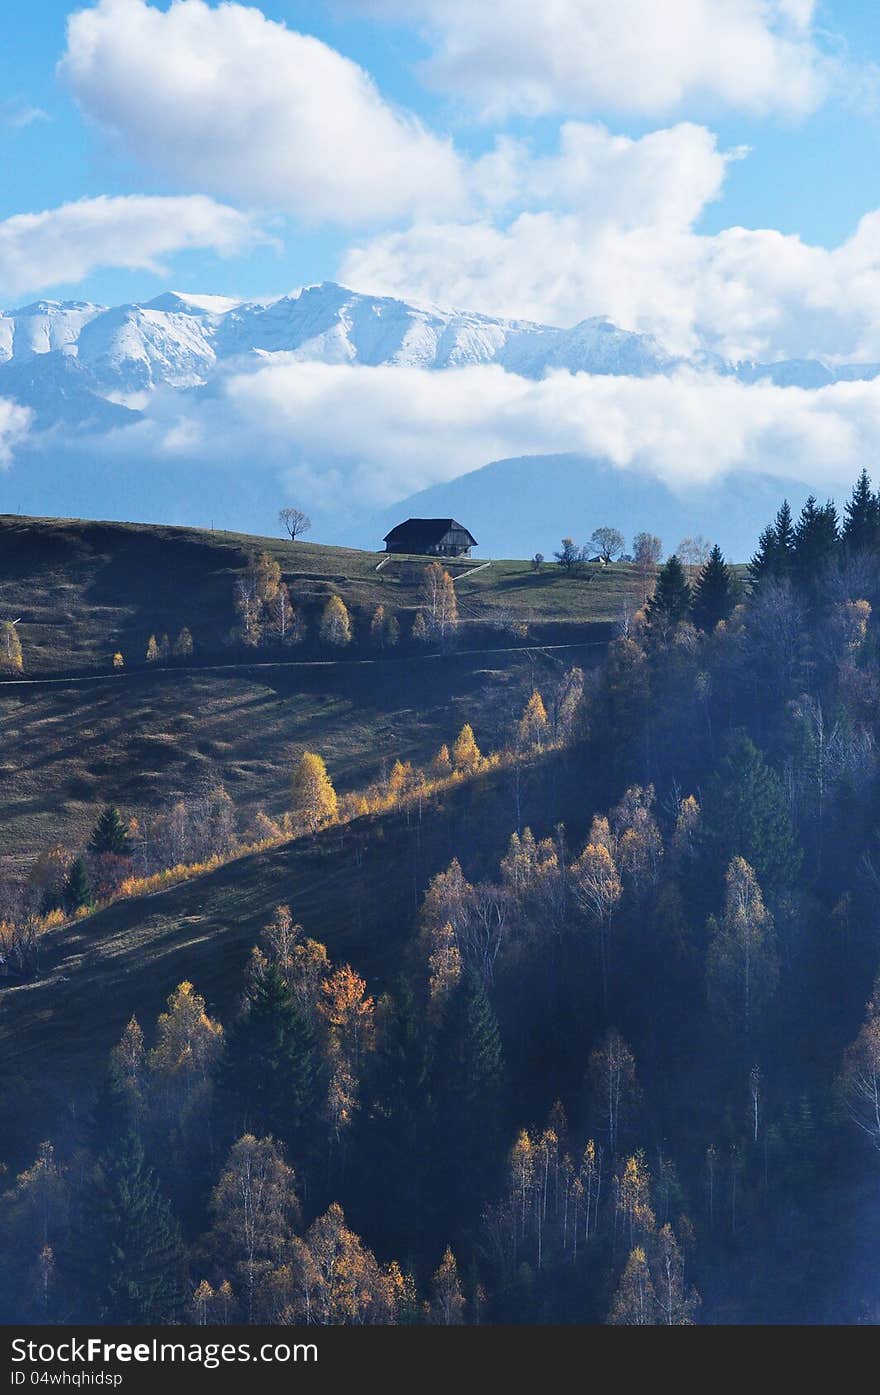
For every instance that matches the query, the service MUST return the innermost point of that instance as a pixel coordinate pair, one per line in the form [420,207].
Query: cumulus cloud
[226,100]
[579,56]
[352,437]
[15,422]
[64,244]
[621,240]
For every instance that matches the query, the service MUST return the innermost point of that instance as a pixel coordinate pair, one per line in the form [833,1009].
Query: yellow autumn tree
[439,605]
[313,798]
[10,648]
[349,1014]
[128,1062]
[466,756]
[441,765]
[742,965]
[266,574]
[338,1281]
[335,628]
[255,1209]
[118,660]
[444,966]
[188,1041]
[635,1302]
[447,1300]
[597,889]
[183,645]
[533,727]
[152,650]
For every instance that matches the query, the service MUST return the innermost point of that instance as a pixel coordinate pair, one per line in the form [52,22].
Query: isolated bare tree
[647,550]
[693,554]
[608,542]
[295,521]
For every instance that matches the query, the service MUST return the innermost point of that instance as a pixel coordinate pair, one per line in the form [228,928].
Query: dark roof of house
[425,532]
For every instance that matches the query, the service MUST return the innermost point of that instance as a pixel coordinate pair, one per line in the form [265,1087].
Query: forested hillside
[568,1012]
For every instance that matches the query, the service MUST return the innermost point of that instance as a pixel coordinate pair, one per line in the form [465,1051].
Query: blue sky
[704,171]
[813,172]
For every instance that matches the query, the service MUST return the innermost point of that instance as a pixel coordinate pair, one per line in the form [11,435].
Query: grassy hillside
[84,590]
[357,888]
[66,749]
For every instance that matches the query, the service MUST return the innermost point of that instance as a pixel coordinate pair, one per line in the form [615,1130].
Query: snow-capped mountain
[90,365]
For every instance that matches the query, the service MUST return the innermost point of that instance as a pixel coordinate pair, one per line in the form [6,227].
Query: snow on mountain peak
[181,340]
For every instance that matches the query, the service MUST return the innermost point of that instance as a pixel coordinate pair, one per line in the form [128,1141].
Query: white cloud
[15,422]
[18,114]
[64,244]
[663,179]
[622,243]
[351,437]
[644,56]
[225,100]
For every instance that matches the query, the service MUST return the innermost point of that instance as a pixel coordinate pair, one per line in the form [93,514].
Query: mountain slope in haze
[525,505]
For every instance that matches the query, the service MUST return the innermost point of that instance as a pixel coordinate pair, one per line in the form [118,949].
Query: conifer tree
[861,526]
[671,601]
[815,544]
[715,592]
[270,1072]
[110,834]
[766,562]
[746,814]
[785,532]
[776,545]
[469,1064]
[77,888]
[125,1260]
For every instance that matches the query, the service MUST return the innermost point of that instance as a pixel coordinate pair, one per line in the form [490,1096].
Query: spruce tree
[785,533]
[125,1261]
[816,539]
[110,834]
[270,1075]
[715,592]
[671,601]
[77,888]
[746,815]
[776,545]
[766,563]
[469,1065]
[861,526]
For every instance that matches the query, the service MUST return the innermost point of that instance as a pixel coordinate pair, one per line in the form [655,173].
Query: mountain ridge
[182,340]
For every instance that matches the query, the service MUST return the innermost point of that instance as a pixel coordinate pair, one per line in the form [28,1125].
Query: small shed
[431,537]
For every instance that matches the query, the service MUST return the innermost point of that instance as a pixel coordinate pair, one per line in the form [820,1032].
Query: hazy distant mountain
[518,507]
